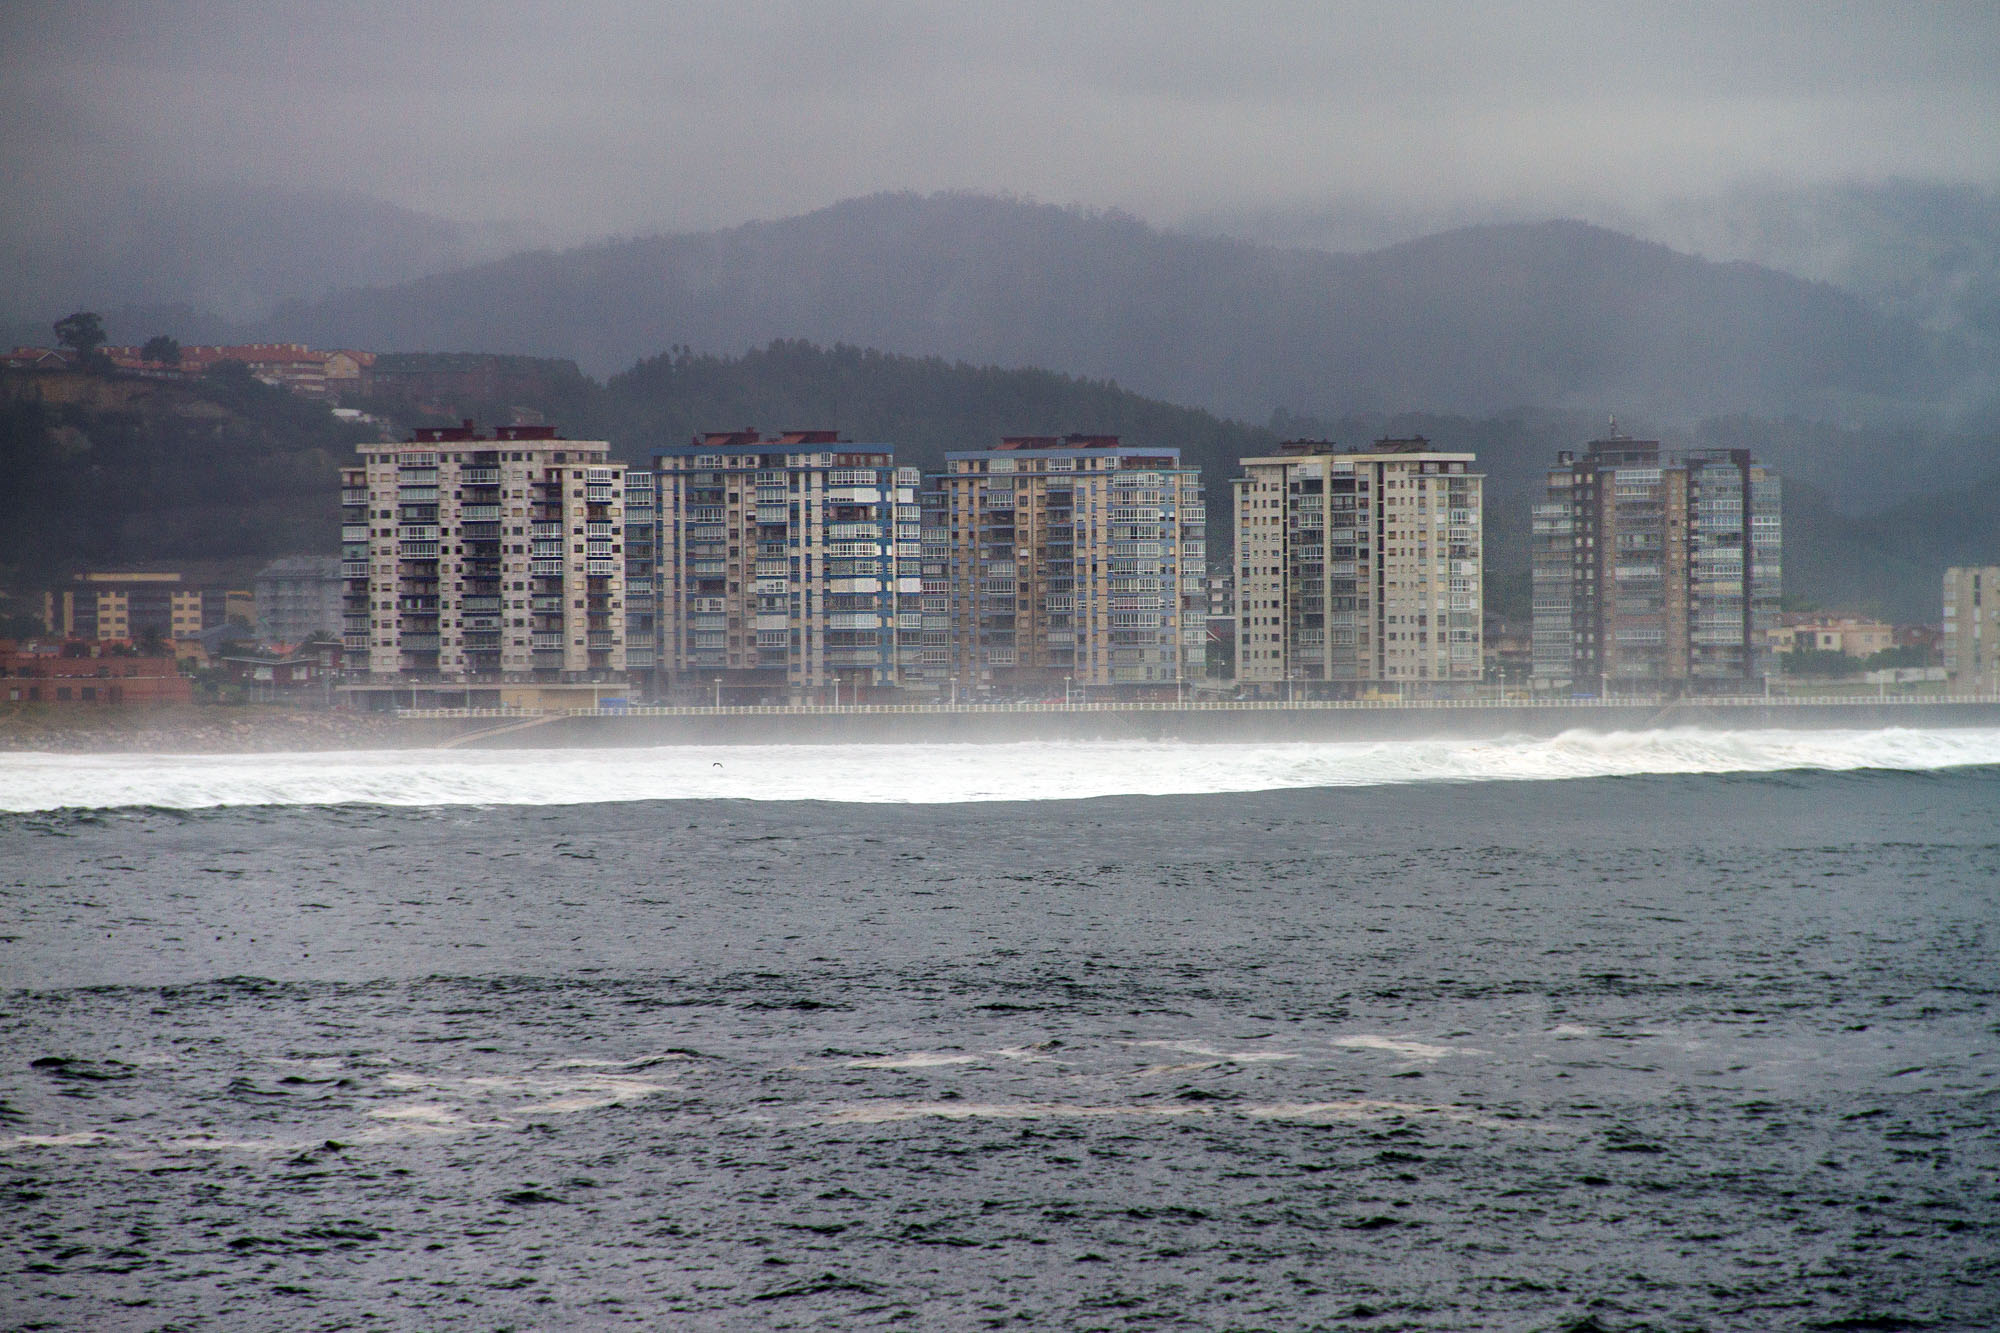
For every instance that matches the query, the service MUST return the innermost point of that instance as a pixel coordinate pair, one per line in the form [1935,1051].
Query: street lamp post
[718,692]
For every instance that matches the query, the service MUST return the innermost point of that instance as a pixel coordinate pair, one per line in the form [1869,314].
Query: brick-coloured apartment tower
[1054,563]
[786,565]
[1359,567]
[470,558]
[1653,574]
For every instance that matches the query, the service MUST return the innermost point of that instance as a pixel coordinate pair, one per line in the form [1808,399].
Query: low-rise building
[88,673]
[271,674]
[1815,632]
[133,606]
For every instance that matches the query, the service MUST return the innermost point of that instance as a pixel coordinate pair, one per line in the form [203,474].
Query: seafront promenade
[221,729]
[1196,721]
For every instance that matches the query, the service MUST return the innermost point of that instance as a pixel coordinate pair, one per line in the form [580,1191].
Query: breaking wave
[942,773]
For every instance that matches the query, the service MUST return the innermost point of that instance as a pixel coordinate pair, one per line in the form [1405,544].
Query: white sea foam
[1416,1050]
[1234,1057]
[888,1112]
[926,773]
[919,1060]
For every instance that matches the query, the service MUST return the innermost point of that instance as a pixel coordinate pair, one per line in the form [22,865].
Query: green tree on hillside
[161,348]
[83,332]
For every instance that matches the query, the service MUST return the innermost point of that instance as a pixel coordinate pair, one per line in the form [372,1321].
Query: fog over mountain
[217,255]
[1346,207]
[1556,314]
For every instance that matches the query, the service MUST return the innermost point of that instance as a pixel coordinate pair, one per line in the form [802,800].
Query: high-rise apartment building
[1052,563]
[786,565]
[485,560]
[642,619]
[1359,567]
[1972,629]
[1653,574]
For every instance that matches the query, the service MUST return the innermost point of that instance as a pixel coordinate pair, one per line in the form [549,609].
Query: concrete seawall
[1194,724]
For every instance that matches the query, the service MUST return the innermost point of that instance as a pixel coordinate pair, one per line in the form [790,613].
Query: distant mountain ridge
[1552,314]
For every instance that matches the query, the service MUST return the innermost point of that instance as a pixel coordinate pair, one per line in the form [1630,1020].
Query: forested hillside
[223,471]
[922,405]
[230,471]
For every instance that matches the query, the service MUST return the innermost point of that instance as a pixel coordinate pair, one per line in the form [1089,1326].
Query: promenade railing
[1661,704]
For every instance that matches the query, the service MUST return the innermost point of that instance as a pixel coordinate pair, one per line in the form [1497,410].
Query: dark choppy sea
[1673,1053]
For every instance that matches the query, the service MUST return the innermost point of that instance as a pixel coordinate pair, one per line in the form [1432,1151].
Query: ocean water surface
[1669,1031]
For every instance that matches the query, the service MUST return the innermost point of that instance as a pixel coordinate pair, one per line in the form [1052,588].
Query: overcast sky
[586,119]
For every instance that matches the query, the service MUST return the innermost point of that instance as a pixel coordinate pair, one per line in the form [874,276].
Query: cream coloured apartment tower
[479,559]
[1358,568]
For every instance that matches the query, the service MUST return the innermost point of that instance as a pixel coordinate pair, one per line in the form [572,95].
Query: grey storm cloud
[583,119]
